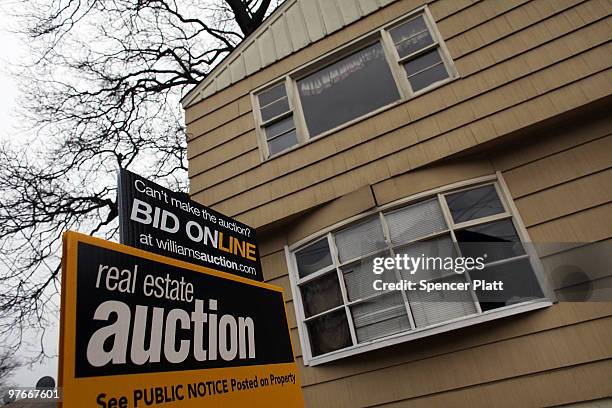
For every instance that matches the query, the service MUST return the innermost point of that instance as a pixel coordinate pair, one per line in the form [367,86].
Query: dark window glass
[429,76]
[279,127]
[498,240]
[321,294]
[283,142]
[411,36]
[313,258]
[379,317]
[422,62]
[275,109]
[347,89]
[271,95]
[519,284]
[475,203]
[329,332]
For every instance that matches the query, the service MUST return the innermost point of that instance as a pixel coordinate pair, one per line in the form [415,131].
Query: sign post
[139,329]
[159,220]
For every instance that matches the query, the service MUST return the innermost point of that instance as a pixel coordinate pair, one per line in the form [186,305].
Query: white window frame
[394,62]
[414,333]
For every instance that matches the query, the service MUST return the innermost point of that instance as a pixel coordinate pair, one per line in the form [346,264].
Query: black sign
[137,315]
[159,220]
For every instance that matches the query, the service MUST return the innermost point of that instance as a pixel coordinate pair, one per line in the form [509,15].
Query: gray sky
[11,51]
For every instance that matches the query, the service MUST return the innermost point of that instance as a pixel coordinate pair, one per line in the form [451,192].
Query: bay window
[340,312]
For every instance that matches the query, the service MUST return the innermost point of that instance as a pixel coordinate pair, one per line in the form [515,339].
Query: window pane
[321,294]
[313,258]
[436,307]
[436,259]
[329,332]
[427,77]
[275,109]
[272,94]
[415,221]
[279,127]
[359,278]
[379,317]
[282,142]
[475,203]
[498,240]
[422,61]
[360,239]
[519,284]
[411,36]
[347,89]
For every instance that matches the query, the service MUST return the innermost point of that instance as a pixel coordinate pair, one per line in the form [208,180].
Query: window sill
[428,331]
[364,117]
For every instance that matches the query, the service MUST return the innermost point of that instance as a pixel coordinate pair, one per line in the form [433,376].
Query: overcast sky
[11,51]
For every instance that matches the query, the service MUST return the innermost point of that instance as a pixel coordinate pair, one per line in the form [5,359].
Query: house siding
[532,103]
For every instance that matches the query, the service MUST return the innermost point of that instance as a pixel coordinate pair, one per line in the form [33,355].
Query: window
[391,64]
[276,118]
[419,53]
[341,313]
[351,87]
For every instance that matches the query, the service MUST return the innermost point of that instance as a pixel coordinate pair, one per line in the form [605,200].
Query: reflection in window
[495,240]
[313,258]
[321,294]
[329,332]
[419,53]
[474,203]
[411,36]
[355,85]
[519,284]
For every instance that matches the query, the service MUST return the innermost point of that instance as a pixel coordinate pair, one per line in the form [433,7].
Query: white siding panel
[223,79]
[237,68]
[267,47]
[296,24]
[331,15]
[368,6]
[208,90]
[252,59]
[350,10]
[282,41]
[297,27]
[313,19]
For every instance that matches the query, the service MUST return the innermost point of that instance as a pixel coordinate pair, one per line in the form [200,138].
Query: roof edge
[190,96]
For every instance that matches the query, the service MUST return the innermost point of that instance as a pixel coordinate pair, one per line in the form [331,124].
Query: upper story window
[276,119]
[341,312]
[347,89]
[419,53]
[391,64]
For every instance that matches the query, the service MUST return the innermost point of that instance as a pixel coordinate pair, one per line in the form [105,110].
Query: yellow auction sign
[143,330]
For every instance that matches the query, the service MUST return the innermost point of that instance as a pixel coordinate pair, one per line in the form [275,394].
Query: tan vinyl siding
[572,183]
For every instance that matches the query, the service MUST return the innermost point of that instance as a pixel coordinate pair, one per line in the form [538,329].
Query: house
[351,130]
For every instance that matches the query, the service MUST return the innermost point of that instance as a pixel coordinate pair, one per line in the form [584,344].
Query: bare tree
[8,365]
[100,92]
